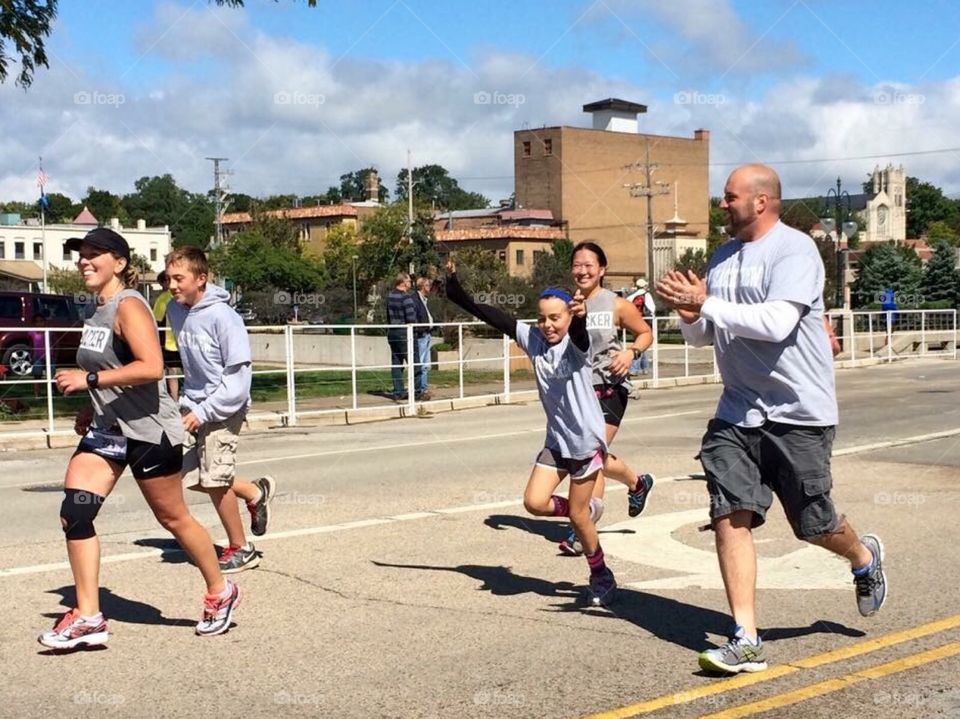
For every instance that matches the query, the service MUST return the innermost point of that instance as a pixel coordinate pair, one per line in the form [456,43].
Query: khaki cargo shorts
[210,460]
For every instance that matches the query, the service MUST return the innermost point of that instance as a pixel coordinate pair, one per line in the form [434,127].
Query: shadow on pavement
[552,530]
[170,550]
[120,609]
[677,622]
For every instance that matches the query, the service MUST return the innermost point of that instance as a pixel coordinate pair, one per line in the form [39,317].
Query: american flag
[42,179]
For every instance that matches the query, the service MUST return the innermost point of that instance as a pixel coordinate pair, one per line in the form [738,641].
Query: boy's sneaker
[637,498]
[872,585]
[260,510]
[570,545]
[236,559]
[737,655]
[71,631]
[603,588]
[218,611]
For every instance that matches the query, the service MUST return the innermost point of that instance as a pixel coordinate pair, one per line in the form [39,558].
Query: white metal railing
[350,358]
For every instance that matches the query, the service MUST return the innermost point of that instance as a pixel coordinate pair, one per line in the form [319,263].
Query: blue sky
[811,81]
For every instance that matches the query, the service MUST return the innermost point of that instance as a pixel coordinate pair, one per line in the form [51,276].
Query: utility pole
[410,205]
[648,190]
[220,200]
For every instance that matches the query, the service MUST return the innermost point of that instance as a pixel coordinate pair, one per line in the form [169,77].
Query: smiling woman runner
[133,422]
[559,348]
[607,315]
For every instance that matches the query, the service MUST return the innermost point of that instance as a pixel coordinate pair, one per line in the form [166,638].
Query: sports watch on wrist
[93,380]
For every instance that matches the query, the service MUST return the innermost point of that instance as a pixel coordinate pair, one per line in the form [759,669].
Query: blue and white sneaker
[637,499]
[871,585]
[570,545]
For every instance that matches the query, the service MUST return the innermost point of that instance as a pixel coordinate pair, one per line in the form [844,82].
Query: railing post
[49,377]
[506,368]
[923,333]
[460,355]
[353,363]
[411,353]
[853,337]
[291,379]
[953,314]
[889,336]
[870,331]
[686,357]
[656,351]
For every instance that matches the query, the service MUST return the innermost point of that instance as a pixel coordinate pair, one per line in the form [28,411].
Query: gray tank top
[144,412]
[604,336]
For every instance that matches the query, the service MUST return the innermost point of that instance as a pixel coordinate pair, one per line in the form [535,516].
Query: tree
[239,202]
[339,248]
[802,214]
[939,230]
[480,270]
[66,281]
[887,266]
[381,239]
[276,202]
[940,276]
[694,261]
[422,251]
[434,188]
[160,201]
[552,269]
[353,187]
[26,25]
[926,204]
[105,205]
[60,208]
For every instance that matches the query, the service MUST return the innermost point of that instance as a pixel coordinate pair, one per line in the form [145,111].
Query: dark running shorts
[145,460]
[745,467]
[576,468]
[171,359]
[613,401]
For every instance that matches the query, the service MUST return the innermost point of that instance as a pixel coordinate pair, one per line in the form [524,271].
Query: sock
[863,571]
[93,618]
[741,632]
[256,499]
[561,507]
[595,561]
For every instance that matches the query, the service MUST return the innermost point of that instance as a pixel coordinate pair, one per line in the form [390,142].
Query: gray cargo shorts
[746,466]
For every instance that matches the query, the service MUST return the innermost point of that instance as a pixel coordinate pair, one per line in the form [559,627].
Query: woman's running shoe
[72,631]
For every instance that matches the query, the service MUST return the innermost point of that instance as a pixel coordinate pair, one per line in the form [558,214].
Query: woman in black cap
[133,422]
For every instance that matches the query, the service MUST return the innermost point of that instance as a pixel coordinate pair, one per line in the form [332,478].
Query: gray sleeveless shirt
[604,336]
[143,412]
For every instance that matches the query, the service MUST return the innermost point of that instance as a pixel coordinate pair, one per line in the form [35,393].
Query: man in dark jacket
[401,311]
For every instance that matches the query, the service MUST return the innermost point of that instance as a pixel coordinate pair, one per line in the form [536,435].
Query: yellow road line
[742,680]
[834,685]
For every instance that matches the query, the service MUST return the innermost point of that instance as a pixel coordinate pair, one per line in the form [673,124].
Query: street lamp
[353,264]
[848,228]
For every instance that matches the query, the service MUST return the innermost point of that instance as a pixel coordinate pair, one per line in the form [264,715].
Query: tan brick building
[515,245]
[580,175]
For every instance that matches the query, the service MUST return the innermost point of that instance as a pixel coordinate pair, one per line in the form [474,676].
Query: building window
[519,257]
[526,149]
[502,254]
[38,251]
[153,254]
[3,250]
[18,251]
[548,147]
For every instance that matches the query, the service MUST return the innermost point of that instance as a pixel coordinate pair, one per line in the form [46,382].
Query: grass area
[23,401]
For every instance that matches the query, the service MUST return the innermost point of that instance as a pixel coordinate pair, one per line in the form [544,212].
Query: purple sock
[561,507]
[596,562]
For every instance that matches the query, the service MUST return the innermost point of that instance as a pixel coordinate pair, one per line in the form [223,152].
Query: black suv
[22,311]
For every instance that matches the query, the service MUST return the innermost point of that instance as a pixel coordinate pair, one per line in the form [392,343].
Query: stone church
[886,210]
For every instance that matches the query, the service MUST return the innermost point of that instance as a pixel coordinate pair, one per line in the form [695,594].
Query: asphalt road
[402,578]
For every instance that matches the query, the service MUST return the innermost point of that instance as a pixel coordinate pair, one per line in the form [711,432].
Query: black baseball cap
[102,237]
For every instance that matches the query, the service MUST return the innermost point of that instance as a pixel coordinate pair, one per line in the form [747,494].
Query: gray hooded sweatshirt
[215,351]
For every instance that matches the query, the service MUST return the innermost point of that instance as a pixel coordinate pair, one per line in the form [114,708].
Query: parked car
[22,311]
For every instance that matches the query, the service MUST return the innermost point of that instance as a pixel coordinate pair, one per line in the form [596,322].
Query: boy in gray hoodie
[215,351]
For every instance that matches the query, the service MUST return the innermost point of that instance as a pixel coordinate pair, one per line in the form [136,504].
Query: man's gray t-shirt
[575,425]
[792,381]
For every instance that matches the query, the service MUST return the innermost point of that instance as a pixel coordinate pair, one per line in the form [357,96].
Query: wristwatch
[93,380]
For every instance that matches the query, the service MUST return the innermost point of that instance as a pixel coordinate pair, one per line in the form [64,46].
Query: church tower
[887,209]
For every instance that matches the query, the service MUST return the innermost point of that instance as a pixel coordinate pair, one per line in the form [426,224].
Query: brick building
[580,174]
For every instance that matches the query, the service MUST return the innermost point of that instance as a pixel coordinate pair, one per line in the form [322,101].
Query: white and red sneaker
[218,611]
[72,630]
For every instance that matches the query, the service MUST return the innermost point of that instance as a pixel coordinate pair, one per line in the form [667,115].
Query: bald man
[761,307]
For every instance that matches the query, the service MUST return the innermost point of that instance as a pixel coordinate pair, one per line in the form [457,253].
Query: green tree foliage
[940,276]
[381,240]
[434,188]
[66,281]
[939,230]
[105,205]
[160,201]
[353,187]
[25,24]
[420,250]
[888,266]
[61,208]
[339,249]
[552,269]
[927,204]
[268,255]
[694,261]
[802,214]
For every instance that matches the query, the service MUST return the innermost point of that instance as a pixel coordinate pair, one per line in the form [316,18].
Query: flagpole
[41,180]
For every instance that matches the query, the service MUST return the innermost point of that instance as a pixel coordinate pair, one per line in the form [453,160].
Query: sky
[296,96]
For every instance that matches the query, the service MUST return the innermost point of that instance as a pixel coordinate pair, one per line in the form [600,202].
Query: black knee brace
[78,511]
